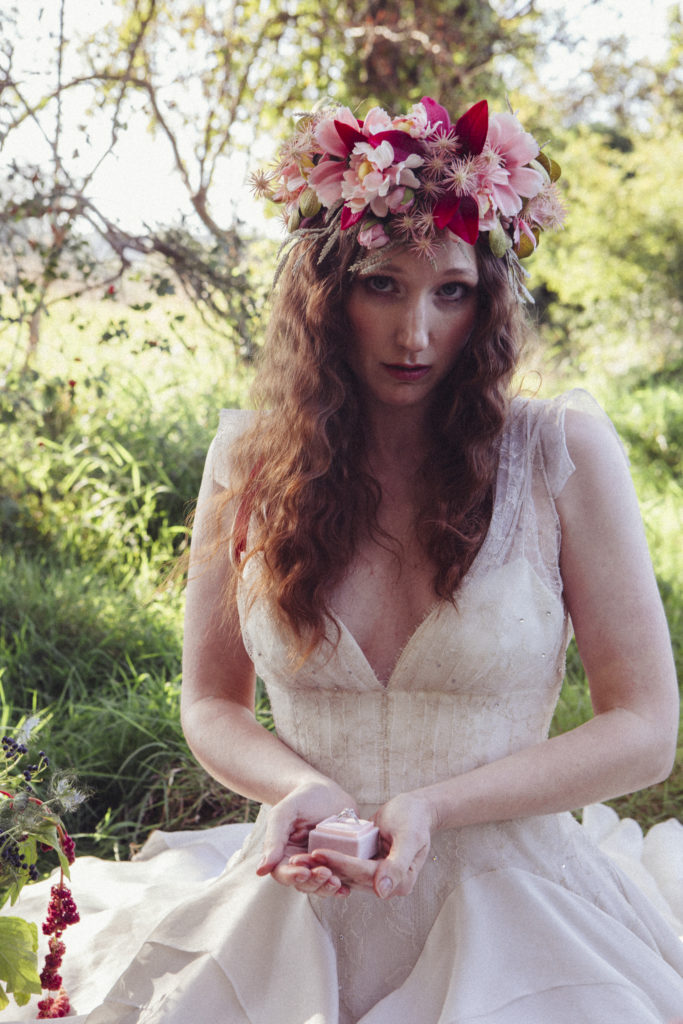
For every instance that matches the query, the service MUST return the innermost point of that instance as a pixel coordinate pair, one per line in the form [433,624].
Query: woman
[397,547]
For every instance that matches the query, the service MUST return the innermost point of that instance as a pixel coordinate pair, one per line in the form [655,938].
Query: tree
[204,75]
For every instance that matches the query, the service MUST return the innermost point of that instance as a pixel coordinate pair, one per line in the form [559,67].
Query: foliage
[205,75]
[18,961]
[27,826]
[104,431]
[98,477]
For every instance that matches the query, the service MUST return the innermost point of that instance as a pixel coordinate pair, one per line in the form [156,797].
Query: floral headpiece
[402,180]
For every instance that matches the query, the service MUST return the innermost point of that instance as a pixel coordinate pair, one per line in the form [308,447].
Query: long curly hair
[298,472]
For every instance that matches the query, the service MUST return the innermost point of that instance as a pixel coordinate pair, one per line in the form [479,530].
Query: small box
[346,833]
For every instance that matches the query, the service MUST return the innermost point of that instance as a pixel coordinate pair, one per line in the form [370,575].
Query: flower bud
[309,204]
[499,240]
[551,166]
[525,246]
[294,220]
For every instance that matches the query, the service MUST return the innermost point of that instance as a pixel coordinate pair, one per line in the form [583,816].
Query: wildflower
[424,246]
[28,823]
[260,182]
[547,208]
[61,912]
[54,1006]
[25,731]
[462,176]
[63,789]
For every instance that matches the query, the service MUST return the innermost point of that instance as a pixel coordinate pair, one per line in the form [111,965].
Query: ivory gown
[524,922]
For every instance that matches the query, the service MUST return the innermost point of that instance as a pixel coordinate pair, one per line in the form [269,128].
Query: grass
[102,451]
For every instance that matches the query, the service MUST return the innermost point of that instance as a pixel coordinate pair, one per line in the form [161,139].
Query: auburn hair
[298,473]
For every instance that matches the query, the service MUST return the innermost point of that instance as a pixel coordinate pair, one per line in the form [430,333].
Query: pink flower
[373,175]
[329,139]
[326,178]
[292,183]
[511,179]
[415,121]
[377,120]
[373,237]
[546,209]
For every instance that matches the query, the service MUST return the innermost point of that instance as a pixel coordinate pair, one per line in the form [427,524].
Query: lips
[404,372]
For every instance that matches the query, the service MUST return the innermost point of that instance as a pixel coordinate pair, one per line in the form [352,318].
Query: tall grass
[101,455]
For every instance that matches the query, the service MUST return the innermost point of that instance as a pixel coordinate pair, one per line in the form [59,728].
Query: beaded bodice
[476,680]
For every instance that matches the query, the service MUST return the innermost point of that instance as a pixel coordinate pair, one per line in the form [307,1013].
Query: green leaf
[18,959]
[49,836]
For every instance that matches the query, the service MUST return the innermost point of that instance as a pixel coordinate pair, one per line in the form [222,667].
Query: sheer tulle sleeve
[556,458]
[231,425]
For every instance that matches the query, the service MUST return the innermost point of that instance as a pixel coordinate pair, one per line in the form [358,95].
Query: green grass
[97,478]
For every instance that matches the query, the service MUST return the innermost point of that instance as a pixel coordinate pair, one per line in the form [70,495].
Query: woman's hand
[405,829]
[285,847]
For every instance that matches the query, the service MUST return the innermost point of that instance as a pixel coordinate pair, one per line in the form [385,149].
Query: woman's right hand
[288,825]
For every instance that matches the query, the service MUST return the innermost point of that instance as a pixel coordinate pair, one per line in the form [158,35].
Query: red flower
[471,129]
[459,215]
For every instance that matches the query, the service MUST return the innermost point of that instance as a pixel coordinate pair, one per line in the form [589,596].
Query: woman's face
[410,319]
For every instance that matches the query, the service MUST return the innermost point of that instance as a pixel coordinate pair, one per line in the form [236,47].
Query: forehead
[450,255]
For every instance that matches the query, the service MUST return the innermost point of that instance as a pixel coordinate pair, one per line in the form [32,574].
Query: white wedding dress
[522,922]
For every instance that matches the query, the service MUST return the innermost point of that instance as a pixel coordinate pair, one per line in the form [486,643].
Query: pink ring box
[345,833]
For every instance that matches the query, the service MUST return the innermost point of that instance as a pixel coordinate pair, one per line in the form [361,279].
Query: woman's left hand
[405,830]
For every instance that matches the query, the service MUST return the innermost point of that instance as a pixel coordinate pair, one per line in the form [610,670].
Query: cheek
[454,336]
[363,329]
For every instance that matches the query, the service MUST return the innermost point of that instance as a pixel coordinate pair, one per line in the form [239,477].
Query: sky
[137,185]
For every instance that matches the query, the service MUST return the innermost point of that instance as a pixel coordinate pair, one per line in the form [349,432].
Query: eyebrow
[392,268]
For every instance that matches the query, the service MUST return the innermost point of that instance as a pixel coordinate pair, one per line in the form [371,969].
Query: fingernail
[385,886]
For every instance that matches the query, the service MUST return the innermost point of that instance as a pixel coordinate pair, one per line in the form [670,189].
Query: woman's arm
[217,711]
[622,637]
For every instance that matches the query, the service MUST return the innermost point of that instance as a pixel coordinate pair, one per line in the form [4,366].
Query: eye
[379,283]
[454,290]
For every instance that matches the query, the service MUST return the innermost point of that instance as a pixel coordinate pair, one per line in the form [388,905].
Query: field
[103,439]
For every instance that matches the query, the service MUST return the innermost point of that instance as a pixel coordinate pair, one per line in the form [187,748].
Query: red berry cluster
[61,912]
[54,1006]
[49,978]
[69,848]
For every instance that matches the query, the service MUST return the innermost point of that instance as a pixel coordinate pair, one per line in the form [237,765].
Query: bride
[399,547]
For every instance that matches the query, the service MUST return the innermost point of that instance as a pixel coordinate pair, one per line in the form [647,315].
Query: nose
[413,327]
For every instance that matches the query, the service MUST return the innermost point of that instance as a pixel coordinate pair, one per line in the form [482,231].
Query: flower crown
[404,179]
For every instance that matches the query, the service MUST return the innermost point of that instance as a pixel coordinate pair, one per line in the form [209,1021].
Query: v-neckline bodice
[428,616]
[412,639]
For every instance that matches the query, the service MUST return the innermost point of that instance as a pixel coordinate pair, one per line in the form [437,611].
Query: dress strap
[551,422]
